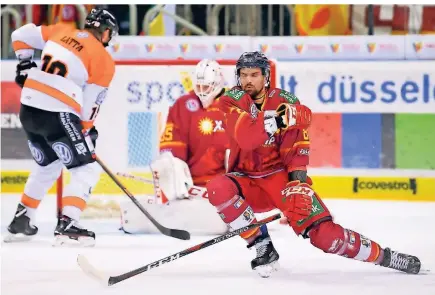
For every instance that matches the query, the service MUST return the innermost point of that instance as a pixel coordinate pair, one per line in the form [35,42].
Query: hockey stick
[135,177]
[175,233]
[112,280]
[194,190]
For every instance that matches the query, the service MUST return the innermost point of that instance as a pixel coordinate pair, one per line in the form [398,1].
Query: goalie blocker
[177,204]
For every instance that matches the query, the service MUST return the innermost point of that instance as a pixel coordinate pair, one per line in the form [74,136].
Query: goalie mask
[208,81]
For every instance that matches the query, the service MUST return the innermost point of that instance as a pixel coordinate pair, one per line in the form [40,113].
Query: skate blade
[424,271]
[266,271]
[17,238]
[62,240]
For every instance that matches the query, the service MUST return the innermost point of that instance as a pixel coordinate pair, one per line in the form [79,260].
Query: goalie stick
[175,233]
[112,280]
[198,191]
[135,177]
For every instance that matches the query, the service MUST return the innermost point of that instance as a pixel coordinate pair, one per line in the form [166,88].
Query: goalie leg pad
[196,216]
[77,192]
[333,238]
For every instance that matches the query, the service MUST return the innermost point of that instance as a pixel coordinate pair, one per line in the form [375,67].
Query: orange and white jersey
[75,74]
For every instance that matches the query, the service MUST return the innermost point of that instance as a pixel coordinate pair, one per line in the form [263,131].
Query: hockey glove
[172,176]
[22,67]
[294,115]
[298,201]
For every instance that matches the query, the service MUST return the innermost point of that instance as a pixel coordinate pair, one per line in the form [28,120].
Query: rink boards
[395,188]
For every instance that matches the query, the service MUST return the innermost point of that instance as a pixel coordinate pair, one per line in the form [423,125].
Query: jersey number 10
[59,68]
[54,67]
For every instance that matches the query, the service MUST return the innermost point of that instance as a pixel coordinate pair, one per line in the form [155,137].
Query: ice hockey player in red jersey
[270,148]
[195,131]
[59,103]
[193,147]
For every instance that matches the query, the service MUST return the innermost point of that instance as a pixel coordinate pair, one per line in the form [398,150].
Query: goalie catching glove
[172,177]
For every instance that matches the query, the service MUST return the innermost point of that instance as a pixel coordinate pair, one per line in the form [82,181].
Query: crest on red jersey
[192,105]
[254,111]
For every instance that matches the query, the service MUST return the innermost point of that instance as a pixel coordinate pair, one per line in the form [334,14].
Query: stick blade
[91,271]
[180,234]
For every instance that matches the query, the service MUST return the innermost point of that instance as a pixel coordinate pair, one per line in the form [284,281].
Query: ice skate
[20,228]
[266,261]
[68,229]
[399,261]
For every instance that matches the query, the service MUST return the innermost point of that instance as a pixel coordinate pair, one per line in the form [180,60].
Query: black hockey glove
[23,65]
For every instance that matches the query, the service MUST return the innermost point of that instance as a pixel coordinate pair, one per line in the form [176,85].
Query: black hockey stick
[175,233]
[109,280]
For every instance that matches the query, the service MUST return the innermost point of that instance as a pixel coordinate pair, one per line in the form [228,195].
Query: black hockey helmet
[253,59]
[101,20]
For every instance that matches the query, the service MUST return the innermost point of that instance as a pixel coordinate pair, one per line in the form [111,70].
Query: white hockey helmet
[207,81]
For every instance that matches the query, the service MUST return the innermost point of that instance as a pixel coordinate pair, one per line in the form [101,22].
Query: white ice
[36,268]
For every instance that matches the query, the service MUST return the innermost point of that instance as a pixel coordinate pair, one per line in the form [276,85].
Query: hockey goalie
[193,148]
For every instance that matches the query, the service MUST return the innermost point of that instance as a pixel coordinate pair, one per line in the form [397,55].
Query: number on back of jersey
[53,67]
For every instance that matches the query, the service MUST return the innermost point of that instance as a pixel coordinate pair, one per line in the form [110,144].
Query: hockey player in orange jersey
[193,147]
[270,149]
[59,103]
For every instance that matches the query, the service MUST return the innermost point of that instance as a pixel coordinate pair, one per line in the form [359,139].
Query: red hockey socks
[334,239]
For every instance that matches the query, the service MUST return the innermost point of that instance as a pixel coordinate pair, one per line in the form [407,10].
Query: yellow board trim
[419,189]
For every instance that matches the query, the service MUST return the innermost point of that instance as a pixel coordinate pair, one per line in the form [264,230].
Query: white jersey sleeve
[26,39]
[94,97]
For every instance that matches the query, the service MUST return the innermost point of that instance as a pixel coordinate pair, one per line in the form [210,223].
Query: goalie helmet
[253,59]
[208,81]
[101,20]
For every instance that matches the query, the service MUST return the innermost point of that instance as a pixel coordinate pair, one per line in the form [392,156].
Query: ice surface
[36,268]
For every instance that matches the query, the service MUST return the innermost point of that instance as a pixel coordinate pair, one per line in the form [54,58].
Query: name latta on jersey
[73,42]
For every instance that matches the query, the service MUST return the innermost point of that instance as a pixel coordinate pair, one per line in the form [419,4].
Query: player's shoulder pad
[188,102]
[290,97]
[235,93]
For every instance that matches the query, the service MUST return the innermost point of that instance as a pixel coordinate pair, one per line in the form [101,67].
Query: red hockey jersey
[196,136]
[253,152]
